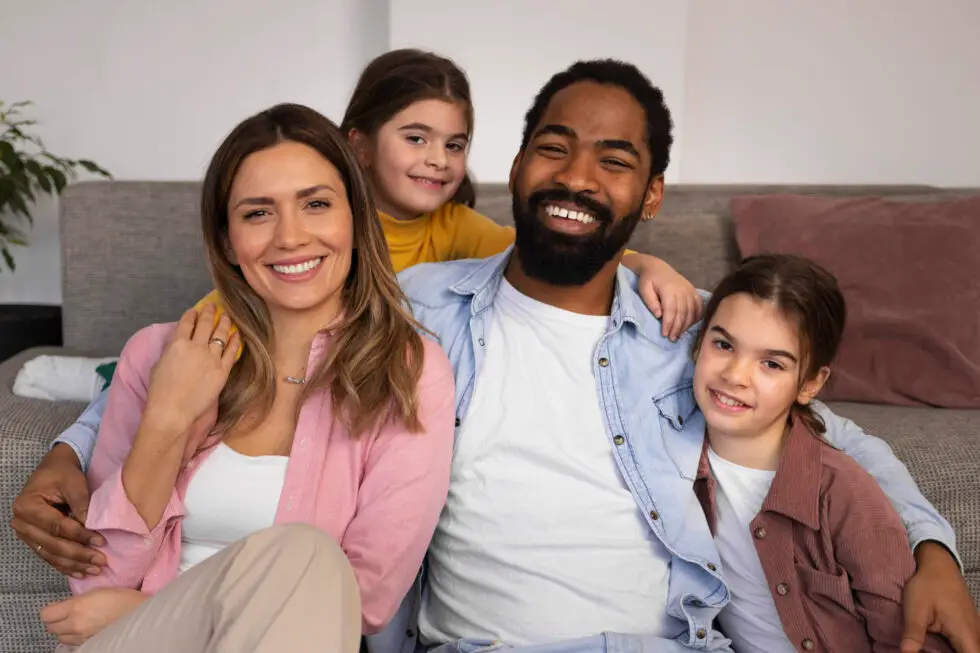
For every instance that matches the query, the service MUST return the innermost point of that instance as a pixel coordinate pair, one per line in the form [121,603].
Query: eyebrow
[774,353]
[605,143]
[300,194]
[422,127]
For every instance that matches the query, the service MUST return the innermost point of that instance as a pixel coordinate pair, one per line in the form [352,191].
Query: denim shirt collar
[627,307]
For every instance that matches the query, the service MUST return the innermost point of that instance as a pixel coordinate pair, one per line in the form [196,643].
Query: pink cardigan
[380,496]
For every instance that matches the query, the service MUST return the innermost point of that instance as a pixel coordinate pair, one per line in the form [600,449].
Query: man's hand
[77,619]
[937,600]
[62,541]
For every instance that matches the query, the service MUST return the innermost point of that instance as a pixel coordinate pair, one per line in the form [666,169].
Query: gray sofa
[132,256]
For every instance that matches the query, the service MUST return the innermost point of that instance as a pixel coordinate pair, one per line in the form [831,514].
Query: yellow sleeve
[475,235]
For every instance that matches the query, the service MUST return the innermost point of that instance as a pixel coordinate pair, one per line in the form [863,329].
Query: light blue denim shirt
[655,432]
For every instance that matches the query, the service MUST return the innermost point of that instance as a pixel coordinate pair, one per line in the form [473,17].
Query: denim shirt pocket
[677,405]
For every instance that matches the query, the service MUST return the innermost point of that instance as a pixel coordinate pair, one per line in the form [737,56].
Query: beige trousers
[285,589]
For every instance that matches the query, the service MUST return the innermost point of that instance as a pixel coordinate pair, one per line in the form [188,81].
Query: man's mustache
[601,212]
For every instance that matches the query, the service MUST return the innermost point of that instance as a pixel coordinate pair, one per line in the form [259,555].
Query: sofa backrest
[132,252]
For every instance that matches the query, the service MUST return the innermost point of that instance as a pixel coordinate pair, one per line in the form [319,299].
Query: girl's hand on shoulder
[187,380]
[670,297]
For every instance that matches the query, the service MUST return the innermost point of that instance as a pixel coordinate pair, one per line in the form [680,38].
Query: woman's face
[291,231]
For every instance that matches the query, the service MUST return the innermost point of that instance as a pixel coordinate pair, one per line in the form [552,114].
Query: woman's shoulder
[436,369]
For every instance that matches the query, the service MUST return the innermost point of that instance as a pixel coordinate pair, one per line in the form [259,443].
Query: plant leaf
[19,207]
[58,177]
[7,154]
[8,258]
[91,166]
[40,176]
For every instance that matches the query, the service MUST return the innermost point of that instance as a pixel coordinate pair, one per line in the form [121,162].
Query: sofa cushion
[911,276]
[27,427]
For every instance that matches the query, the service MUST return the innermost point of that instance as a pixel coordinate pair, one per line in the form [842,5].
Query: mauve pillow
[910,272]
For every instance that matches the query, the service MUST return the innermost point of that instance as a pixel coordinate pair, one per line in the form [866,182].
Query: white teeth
[561,212]
[298,268]
[728,401]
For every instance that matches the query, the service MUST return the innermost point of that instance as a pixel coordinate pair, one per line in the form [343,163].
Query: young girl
[814,554]
[410,122]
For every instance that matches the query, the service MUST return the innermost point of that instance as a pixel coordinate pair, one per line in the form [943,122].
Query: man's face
[582,183]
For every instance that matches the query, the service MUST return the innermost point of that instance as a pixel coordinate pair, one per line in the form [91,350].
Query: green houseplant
[27,171]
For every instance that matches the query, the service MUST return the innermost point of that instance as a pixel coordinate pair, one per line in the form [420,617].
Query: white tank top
[230,496]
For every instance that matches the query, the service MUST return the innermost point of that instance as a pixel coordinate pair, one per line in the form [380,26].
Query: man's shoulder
[430,284]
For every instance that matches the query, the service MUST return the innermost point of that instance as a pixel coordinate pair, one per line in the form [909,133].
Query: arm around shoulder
[871,544]
[921,519]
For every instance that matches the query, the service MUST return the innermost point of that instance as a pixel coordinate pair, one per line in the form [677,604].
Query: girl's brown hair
[400,78]
[375,357]
[807,295]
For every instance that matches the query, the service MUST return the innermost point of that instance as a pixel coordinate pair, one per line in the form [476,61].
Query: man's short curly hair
[626,76]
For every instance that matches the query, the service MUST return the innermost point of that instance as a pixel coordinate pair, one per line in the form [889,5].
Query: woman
[338,415]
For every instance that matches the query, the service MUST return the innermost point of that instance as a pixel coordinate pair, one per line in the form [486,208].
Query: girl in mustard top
[410,121]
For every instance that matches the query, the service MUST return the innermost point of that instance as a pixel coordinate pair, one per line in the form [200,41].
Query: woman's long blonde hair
[374,361]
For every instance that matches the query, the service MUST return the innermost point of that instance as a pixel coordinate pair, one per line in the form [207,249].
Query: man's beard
[562,259]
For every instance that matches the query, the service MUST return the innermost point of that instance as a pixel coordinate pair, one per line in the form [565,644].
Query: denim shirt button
[702,633]
[603,362]
[712,566]
[618,440]
[654,515]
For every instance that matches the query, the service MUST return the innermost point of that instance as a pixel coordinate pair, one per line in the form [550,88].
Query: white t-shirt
[230,496]
[540,539]
[750,620]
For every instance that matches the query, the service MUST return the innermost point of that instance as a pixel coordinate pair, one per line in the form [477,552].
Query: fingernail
[78,575]
[97,541]
[93,571]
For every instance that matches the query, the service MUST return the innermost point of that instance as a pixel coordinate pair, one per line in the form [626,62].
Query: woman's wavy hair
[374,360]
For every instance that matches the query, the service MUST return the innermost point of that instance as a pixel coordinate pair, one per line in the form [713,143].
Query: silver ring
[219,341]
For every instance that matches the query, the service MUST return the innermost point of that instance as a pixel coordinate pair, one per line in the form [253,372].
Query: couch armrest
[27,427]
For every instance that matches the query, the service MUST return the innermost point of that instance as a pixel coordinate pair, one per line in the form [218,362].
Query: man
[571,524]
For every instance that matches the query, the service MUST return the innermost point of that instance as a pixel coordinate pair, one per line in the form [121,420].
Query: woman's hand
[188,378]
[79,618]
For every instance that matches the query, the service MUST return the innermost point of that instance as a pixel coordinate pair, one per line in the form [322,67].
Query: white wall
[509,49]
[761,91]
[149,89]
[868,91]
